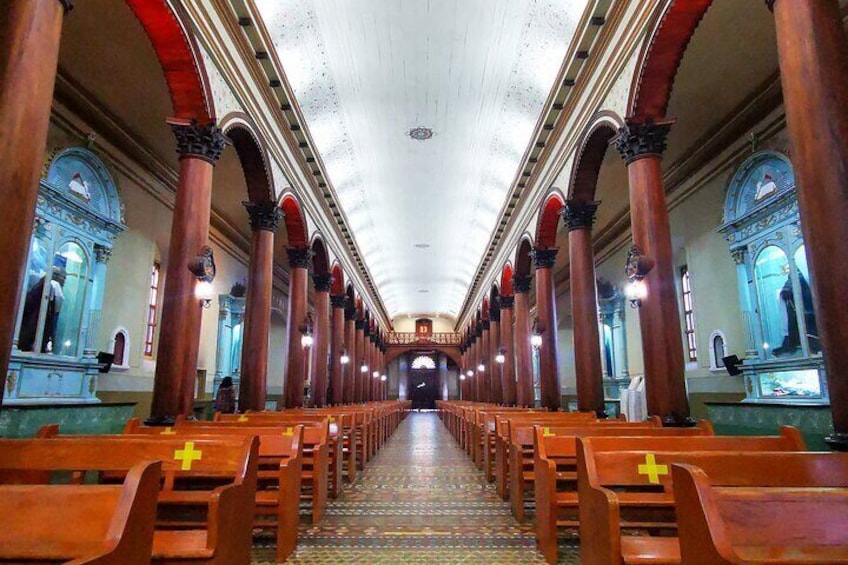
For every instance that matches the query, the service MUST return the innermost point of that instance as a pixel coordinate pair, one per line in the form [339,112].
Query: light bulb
[536,341]
[363,369]
[470,373]
[203,290]
[345,359]
[481,368]
[500,358]
[384,378]
[306,340]
[462,377]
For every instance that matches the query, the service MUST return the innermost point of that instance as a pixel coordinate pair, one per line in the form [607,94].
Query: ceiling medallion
[422,245]
[420,134]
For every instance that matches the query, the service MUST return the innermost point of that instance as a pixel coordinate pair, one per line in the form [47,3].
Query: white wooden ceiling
[476,72]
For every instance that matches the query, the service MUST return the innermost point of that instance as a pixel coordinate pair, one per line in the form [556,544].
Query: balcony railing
[410,338]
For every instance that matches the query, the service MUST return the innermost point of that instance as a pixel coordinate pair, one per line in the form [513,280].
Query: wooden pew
[315,467]
[278,475]
[555,464]
[97,524]
[624,483]
[205,504]
[762,508]
[522,451]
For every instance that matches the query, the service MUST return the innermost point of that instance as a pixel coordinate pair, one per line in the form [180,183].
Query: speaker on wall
[732,363]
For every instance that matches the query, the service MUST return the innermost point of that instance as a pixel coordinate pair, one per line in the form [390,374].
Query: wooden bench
[98,524]
[624,487]
[279,473]
[315,468]
[205,504]
[762,508]
[555,465]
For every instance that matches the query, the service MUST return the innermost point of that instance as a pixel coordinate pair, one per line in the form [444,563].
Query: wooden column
[264,219]
[360,359]
[321,347]
[350,370]
[479,380]
[544,260]
[641,145]
[296,362]
[30,34]
[579,218]
[337,345]
[483,354]
[508,370]
[521,342]
[814,73]
[495,368]
[199,147]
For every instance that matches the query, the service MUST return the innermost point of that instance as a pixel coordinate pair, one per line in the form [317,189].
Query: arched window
[423,362]
[718,350]
[119,349]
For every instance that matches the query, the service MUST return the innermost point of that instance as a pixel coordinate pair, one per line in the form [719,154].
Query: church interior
[408,281]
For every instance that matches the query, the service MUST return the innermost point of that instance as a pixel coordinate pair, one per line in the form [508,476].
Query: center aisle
[420,500]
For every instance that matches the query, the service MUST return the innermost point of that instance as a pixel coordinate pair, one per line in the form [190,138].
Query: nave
[421,500]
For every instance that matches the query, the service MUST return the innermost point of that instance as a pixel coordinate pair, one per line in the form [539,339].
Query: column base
[675,421]
[837,441]
[160,421]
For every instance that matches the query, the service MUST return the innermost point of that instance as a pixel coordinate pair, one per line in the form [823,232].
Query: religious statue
[32,303]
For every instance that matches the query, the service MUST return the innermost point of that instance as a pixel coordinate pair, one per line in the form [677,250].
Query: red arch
[254,162]
[548,221]
[179,57]
[523,261]
[320,257]
[295,222]
[592,150]
[338,287]
[484,309]
[663,53]
[506,281]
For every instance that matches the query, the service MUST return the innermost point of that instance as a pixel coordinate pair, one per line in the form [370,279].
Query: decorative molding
[102,253]
[338,300]
[264,216]
[299,257]
[322,283]
[506,302]
[201,141]
[522,284]
[579,215]
[544,258]
[638,140]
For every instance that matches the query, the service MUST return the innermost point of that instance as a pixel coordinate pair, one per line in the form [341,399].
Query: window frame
[152,322]
[688,304]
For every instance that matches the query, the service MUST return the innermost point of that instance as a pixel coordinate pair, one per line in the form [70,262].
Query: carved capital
[263,215]
[485,325]
[299,257]
[770,4]
[544,258]
[67,4]
[359,324]
[635,141]
[738,255]
[338,300]
[350,312]
[478,331]
[322,283]
[102,254]
[201,141]
[506,302]
[495,310]
[366,328]
[522,284]
[579,215]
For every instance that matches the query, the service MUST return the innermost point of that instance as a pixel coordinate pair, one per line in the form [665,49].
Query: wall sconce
[363,368]
[306,339]
[375,374]
[469,373]
[203,268]
[462,377]
[345,359]
[500,358]
[481,368]
[204,292]
[536,337]
[636,269]
[384,378]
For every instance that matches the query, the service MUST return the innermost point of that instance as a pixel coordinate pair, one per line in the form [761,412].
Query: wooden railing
[410,338]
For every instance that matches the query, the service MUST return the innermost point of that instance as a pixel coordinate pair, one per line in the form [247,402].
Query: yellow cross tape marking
[289,432]
[242,418]
[653,470]
[546,432]
[187,455]
[169,431]
[332,419]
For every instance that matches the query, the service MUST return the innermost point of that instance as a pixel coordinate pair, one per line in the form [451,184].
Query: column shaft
[508,370]
[521,341]
[296,362]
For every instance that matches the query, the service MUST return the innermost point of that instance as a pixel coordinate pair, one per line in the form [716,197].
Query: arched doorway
[424,382]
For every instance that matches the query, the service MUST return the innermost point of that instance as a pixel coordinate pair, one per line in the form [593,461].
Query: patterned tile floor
[421,500]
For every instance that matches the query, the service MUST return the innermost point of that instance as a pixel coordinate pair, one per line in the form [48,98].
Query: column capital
[322,283]
[350,312]
[359,324]
[770,4]
[201,141]
[67,4]
[544,258]
[579,215]
[263,215]
[338,300]
[102,253]
[484,325]
[637,140]
[506,302]
[522,284]
[299,257]
[495,310]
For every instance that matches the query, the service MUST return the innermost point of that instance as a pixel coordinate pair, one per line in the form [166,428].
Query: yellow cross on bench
[242,418]
[289,432]
[546,432]
[169,431]
[653,470]
[187,455]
